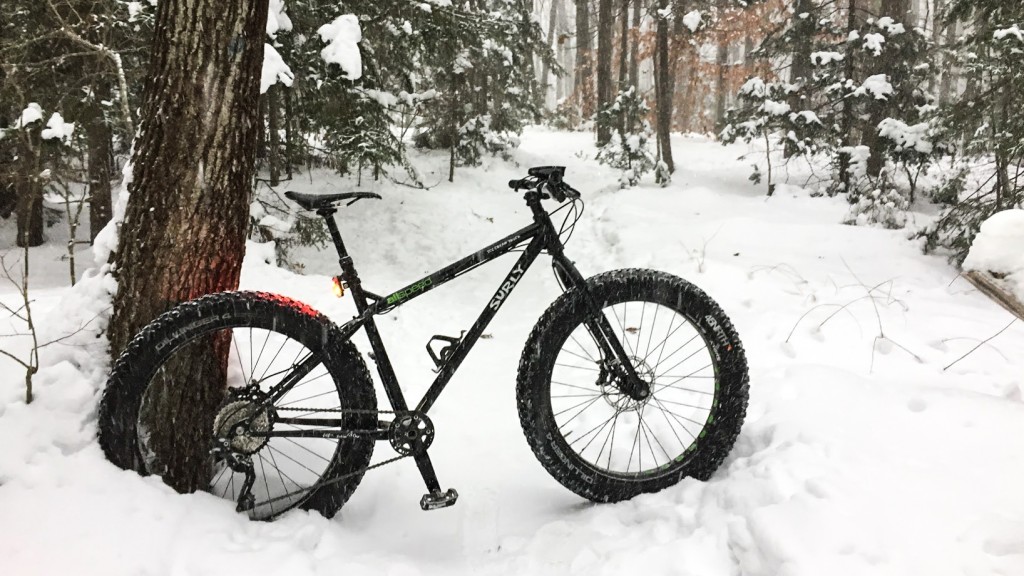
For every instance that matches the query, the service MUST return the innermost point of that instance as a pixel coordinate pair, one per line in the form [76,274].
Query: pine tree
[986,122]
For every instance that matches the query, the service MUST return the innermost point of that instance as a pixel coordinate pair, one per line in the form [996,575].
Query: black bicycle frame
[541,235]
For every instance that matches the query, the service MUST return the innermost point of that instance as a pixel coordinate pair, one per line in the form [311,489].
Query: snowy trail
[859,455]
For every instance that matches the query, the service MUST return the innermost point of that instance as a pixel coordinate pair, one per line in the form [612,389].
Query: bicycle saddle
[318,201]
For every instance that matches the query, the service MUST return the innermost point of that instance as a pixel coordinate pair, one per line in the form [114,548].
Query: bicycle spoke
[577,386]
[671,384]
[687,343]
[640,327]
[267,486]
[623,326]
[583,349]
[684,404]
[260,355]
[650,335]
[264,376]
[566,423]
[674,417]
[238,355]
[578,367]
[559,413]
[701,424]
[311,471]
[328,460]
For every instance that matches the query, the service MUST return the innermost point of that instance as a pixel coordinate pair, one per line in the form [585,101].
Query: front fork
[601,331]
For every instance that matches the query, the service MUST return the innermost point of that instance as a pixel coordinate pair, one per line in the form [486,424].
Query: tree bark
[722,62]
[897,10]
[664,88]
[545,69]
[584,85]
[274,139]
[184,229]
[605,32]
[99,141]
[848,107]
[29,188]
[634,49]
[800,63]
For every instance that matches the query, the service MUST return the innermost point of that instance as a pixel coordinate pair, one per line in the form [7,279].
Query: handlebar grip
[513,184]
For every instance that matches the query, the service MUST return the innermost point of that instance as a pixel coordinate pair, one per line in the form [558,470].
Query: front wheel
[604,444]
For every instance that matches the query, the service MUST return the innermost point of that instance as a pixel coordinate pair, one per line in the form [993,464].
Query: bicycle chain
[322,484]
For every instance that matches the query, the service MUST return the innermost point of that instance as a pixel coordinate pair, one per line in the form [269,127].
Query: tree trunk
[274,140]
[897,10]
[184,229]
[29,188]
[605,32]
[800,64]
[545,69]
[664,88]
[584,85]
[624,46]
[949,72]
[623,63]
[848,107]
[634,49]
[98,137]
[722,61]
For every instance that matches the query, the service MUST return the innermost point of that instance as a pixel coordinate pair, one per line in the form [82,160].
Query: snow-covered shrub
[476,138]
[627,150]
[886,207]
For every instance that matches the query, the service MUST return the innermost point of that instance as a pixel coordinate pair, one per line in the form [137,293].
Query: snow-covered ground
[861,453]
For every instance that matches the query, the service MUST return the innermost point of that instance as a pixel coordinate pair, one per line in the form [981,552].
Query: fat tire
[568,312]
[134,370]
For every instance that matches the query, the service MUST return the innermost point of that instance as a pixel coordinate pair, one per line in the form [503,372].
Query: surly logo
[513,279]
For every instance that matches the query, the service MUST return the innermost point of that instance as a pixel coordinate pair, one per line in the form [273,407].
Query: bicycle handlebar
[559,190]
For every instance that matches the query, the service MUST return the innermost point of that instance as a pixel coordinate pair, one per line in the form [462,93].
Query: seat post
[332,226]
[348,269]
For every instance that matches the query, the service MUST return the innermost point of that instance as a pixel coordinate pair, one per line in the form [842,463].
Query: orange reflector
[337,287]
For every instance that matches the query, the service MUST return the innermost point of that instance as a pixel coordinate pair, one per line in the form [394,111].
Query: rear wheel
[252,341]
[600,442]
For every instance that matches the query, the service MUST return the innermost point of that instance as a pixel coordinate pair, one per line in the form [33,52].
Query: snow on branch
[56,127]
[342,36]
[274,69]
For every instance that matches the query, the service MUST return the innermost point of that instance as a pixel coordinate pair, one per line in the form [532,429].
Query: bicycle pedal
[436,499]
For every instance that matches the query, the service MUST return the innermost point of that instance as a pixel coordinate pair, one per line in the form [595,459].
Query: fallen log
[996,289]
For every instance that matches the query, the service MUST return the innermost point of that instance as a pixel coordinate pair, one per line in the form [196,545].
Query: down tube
[462,349]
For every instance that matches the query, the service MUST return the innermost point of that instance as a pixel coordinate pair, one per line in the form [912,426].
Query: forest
[824,197]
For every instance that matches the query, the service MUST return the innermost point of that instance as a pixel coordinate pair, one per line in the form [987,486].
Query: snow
[134,9]
[825,58]
[277,19]
[856,458]
[873,42]
[57,128]
[878,86]
[754,87]
[999,248]
[32,113]
[1011,31]
[692,20]
[342,36]
[274,69]
[775,108]
[913,136]
[890,26]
